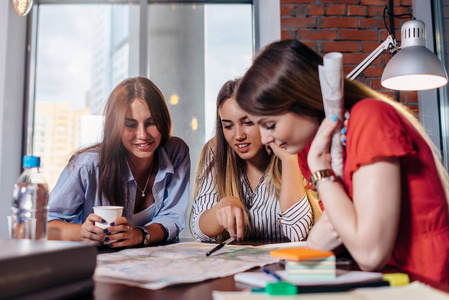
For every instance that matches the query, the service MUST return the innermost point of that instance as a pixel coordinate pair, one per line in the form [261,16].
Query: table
[203,290]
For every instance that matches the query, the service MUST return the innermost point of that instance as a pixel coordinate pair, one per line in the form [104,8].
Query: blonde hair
[220,160]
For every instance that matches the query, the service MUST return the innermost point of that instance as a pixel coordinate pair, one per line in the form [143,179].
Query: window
[84,50]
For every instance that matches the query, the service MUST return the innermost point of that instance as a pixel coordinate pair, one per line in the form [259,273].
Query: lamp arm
[389,43]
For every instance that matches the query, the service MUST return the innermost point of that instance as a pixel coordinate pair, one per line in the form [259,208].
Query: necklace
[146,184]
[250,195]
[155,164]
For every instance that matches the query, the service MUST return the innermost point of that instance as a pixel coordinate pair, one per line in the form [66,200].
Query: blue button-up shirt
[75,193]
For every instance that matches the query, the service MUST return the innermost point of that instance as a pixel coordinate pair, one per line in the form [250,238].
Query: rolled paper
[332,90]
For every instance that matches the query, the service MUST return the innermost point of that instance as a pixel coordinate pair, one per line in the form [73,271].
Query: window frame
[433,104]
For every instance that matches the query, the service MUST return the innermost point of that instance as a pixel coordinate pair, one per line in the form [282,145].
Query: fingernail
[106,239]
[100,243]
[335,118]
[112,224]
[105,230]
[110,245]
[108,233]
[343,131]
[343,139]
[103,221]
[347,115]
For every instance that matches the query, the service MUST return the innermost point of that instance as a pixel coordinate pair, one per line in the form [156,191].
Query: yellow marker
[396,278]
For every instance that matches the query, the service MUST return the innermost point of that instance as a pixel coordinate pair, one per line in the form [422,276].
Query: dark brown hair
[284,77]
[112,153]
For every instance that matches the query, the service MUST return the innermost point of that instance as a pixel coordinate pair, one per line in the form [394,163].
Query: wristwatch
[145,236]
[326,174]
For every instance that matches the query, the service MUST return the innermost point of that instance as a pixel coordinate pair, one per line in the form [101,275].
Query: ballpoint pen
[272,274]
[228,241]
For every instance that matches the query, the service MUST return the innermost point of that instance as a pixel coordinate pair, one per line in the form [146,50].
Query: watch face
[146,240]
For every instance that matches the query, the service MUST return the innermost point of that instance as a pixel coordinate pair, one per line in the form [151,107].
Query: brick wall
[353,27]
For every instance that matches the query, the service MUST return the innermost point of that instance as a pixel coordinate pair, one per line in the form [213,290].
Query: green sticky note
[281,288]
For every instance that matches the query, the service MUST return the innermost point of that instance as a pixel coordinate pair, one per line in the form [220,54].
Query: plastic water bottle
[30,202]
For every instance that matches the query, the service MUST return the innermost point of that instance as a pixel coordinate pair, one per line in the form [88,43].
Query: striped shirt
[267,221]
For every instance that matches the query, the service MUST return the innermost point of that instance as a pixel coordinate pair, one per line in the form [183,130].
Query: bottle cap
[30,161]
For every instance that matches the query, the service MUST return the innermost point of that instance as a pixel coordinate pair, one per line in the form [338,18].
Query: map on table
[158,267]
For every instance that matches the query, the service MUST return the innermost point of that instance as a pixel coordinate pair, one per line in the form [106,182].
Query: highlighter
[281,288]
[396,278]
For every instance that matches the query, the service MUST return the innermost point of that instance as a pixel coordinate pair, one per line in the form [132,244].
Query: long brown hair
[225,165]
[284,77]
[111,151]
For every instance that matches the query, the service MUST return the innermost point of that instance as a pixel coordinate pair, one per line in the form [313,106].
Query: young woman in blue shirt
[138,165]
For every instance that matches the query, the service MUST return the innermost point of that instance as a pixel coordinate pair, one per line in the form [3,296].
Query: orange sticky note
[298,254]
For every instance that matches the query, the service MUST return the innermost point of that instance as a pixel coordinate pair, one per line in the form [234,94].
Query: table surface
[203,290]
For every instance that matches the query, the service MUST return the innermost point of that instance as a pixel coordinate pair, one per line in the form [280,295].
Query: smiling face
[242,135]
[289,130]
[140,135]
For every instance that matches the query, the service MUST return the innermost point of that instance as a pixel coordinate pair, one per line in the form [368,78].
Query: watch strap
[145,236]
[321,175]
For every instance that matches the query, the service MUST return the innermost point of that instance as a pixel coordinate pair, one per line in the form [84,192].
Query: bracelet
[322,175]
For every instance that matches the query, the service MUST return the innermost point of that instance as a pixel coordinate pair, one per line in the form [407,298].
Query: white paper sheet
[332,85]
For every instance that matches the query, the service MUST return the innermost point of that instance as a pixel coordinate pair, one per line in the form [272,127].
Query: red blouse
[376,129]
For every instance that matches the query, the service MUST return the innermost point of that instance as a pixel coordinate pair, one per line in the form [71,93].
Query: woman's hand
[319,157]
[323,235]
[121,234]
[283,155]
[230,215]
[91,233]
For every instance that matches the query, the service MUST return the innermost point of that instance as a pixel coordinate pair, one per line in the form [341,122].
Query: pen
[272,274]
[228,241]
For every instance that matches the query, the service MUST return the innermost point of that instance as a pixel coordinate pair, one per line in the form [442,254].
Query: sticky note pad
[396,278]
[299,254]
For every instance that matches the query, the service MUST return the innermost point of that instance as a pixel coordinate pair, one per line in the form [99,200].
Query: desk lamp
[414,68]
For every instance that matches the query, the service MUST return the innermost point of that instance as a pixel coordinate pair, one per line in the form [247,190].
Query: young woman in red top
[391,206]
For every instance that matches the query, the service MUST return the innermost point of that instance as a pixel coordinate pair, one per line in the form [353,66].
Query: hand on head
[281,153]
[231,216]
[319,157]
[120,232]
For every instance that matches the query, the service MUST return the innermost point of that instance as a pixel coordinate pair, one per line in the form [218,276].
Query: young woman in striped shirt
[238,188]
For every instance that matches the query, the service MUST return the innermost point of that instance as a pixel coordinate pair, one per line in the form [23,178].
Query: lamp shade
[415,67]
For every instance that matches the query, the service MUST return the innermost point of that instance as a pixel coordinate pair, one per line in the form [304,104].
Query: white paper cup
[108,213]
